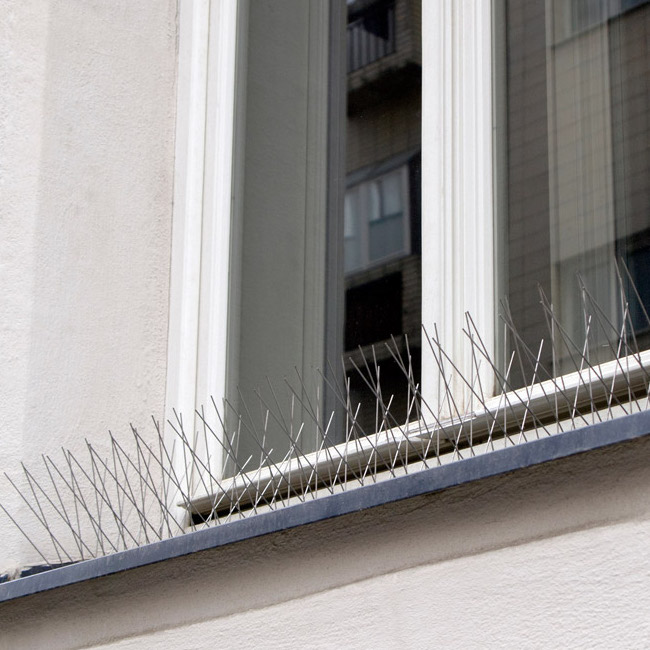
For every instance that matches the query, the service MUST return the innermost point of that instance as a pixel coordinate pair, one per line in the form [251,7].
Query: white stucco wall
[551,593]
[86,168]
[553,556]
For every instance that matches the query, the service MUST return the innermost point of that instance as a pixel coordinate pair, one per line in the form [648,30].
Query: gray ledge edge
[422,482]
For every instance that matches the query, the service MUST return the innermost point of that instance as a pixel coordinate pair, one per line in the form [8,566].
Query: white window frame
[458,224]
[457,191]
[202,215]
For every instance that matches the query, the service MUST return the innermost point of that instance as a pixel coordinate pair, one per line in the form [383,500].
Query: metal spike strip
[153,487]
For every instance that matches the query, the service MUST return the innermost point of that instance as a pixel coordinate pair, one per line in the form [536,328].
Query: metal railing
[371,36]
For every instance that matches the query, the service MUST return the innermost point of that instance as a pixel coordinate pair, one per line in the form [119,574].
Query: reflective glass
[391,195]
[576,170]
[329,122]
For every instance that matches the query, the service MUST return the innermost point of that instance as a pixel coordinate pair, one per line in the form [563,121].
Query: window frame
[458,182]
[204,176]
[458,243]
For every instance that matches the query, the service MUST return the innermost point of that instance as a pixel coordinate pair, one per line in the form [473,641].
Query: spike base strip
[585,387]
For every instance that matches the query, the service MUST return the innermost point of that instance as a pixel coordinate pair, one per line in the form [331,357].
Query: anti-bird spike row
[191,474]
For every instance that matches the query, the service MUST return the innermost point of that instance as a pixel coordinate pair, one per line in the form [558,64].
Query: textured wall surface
[86,167]
[552,556]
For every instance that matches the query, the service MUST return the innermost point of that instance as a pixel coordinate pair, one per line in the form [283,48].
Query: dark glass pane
[383,140]
[386,237]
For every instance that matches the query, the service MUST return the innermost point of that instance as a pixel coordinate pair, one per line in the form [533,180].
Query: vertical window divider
[201,231]
[458,260]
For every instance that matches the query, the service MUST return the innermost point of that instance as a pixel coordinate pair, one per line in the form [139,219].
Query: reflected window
[382,263]
[370,32]
[376,221]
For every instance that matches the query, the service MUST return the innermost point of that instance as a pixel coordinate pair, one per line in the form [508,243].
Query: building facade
[204,197]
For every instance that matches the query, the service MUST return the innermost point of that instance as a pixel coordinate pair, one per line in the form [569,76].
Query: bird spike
[152,486]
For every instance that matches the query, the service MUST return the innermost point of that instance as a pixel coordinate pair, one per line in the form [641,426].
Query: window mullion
[457,195]
[202,211]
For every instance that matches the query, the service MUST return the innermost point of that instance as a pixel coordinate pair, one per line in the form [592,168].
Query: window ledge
[427,481]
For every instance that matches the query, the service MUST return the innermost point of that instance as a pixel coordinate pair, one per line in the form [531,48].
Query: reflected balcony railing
[371,35]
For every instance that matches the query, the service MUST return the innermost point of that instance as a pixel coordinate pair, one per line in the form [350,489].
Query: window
[215,341]
[533,158]
[376,226]
[235,214]
[370,32]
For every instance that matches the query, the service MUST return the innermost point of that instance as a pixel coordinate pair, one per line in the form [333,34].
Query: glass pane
[309,283]
[578,170]
[383,141]
[351,214]
[352,254]
[386,237]
[391,194]
[278,277]
[373,196]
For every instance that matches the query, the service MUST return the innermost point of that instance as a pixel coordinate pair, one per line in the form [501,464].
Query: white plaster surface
[86,168]
[576,591]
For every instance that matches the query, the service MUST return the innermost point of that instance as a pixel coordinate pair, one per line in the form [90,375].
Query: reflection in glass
[326,244]
[578,164]
[382,283]
[352,240]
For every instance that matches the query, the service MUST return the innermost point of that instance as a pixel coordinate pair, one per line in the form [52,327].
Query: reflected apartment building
[382,237]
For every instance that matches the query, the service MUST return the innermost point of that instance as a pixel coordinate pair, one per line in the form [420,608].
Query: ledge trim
[428,481]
